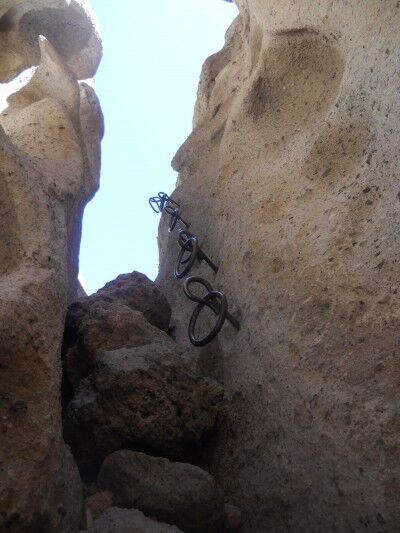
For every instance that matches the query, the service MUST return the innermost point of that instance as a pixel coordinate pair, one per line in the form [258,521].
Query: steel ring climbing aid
[157,203]
[175,217]
[216,301]
[190,243]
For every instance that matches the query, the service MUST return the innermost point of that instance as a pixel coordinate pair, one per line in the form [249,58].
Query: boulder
[233,518]
[145,396]
[116,520]
[177,493]
[93,327]
[99,502]
[139,293]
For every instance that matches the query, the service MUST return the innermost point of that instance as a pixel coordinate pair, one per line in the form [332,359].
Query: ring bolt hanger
[190,243]
[158,203]
[174,212]
[214,300]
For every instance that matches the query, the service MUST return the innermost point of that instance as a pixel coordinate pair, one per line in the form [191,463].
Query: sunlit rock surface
[291,180]
[49,163]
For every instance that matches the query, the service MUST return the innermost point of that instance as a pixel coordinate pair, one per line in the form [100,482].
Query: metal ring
[164,197]
[174,219]
[160,201]
[218,325]
[191,244]
[200,281]
[155,200]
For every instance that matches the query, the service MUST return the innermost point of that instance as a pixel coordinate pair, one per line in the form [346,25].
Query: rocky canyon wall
[291,180]
[49,167]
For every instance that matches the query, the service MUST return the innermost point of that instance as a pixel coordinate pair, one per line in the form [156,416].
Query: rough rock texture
[140,294]
[291,179]
[68,24]
[146,396]
[176,493]
[93,327]
[112,318]
[233,517]
[117,520]
[99,502]
[49,159]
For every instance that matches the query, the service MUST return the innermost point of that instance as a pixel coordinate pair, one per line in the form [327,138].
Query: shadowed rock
[116,520]
[177,493]
[144,396]
[134,290]
[95,326]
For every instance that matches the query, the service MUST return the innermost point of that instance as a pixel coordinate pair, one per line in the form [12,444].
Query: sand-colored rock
[176,493]
[48,171]
[70,26]
[291,180]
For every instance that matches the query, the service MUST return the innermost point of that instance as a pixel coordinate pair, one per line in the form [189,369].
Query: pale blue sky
[147,83]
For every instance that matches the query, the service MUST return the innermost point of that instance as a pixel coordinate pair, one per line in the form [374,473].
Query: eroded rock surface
[140,294]
[144,396]
[98,326]
[291,180]
[176,493]
[49,159]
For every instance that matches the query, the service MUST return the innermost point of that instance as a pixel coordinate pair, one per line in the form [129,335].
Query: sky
[147,84]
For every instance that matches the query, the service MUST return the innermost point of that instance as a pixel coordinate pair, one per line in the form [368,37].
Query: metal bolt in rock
[175,217]
[190,243]
[216,301]
[158,203]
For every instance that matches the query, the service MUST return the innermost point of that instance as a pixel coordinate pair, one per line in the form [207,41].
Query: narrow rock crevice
[138,410]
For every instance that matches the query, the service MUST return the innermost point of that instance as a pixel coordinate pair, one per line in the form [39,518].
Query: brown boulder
[93,327]
[99,502]
[116,520]
[177,493]
[145,396]
[139,293]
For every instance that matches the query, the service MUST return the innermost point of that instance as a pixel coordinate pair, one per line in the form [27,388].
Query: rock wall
[291,180]
[49,167]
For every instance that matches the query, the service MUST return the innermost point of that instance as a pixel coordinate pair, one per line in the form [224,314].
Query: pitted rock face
[69,25]
[139,293]
[49,162]
[144,397]
[176,493]
[291,179]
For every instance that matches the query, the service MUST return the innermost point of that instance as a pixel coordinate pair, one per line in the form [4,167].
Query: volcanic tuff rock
[112,318]
[291,180]
[140,294]
[49,160]
[104,326]
[140,396]
[116,520]
[177,493]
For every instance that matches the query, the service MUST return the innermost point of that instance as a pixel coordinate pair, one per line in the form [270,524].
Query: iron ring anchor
[216,301]
[190,243]
[157,203]
[175,216]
